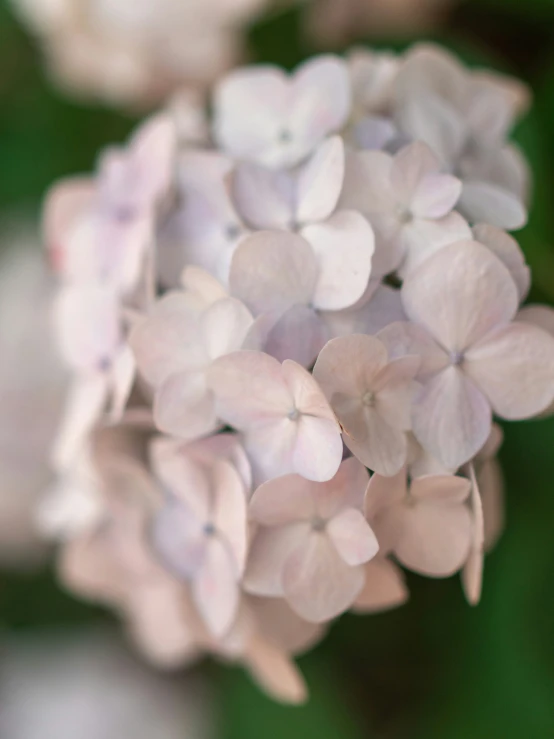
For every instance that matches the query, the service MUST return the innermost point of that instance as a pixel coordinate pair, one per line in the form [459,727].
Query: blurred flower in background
[134,52]
[340,21]
[85,684]
[32,389]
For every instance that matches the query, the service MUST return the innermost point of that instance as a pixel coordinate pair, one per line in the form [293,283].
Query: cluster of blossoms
[320,285]
[135,52]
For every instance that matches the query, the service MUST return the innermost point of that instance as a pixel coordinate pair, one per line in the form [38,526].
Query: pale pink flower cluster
[322,290]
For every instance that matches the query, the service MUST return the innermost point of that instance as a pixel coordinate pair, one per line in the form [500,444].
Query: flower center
[318,523]
[456,358]
[404,214]
[209,529]
[285,136]
[294,414]
[232,231]
[368,399]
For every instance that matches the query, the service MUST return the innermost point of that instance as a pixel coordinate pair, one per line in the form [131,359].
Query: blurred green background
[435,668]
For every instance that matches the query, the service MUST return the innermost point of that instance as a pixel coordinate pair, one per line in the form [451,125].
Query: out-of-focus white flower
[32,381]
[86,684]
[313,541]
[134,52]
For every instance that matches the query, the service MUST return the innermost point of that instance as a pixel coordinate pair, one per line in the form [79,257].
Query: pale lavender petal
[435,196]
[489,203]
[263,197]
[299,334]
[184,406]
[320,182]
[507,250]
[410,167]
[215,590]
[514,368]
[229,514]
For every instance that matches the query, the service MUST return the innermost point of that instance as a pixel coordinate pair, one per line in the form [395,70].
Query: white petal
[507,250]
[299,334]
[459,294]
[272,271]
[451,418]
[318,584]
[184,406]
[320,182]
[343,246]
[249,389]
[84,405]
[489,203]
[383,449]
[225,325]
[317,451]
[263,197]
[352,537]
[421,238]
[269,552]
[122,378]
[435,196]
[410,166]
[514,368]
[229,510]
[178,538]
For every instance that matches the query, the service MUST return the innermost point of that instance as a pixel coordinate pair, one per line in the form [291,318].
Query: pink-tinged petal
[122,378]
[407,339]
[65,202]
[84,406]
[229,511]
[270,444]
[299,334]
[421,238]
[182,476]
[382,447]
[153,149]
[263,197]
[384,587]
[459,294]
[422,463]
[249,388]
[275,672]
[538,315]
[374,132]
[435,196]
[491,487]
[472,574]
[322,97]
[86,320]
[280,625]
[451,418]
[167,341]
[345,490]
[490,203]
[268,555]
[317,451]
[225,325]
[367,187]
[318,584]
[394,390]
[441,489]
[320,182]
[215,589]
[383,492]
[507,250]
[343,246]
[347,364]
[201,284]
[434,540]
[226,446]
[178,539]
[514,368]
[284,500]
[272,271]
[307,394]
[352,537]
[410,167]
[185,406]
[381,309]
